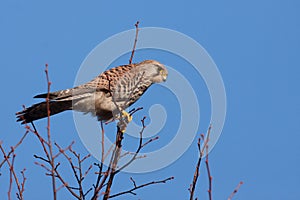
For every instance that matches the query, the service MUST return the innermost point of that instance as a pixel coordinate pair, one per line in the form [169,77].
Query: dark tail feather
[38,111]
[51,96]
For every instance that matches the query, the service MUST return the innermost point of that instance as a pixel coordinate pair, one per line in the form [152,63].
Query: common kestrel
[105,96]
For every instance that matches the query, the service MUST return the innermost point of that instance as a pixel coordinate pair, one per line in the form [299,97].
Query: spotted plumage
[114,89]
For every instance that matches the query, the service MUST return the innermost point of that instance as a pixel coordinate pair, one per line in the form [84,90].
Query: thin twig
[78,178]
[102,142]
[41,139]
[44,166]
[14,147]
[100,166]
[57,174]
[140,186]
[235,190]
[11,169]
[141,145]
[209,178]
[205,143]
[105,176]
[49,134]
[41,158]
[62,151]
[99,185]
[116,156]
[23,183]
[207,165]
[135,41]
[196,174]
[12,173]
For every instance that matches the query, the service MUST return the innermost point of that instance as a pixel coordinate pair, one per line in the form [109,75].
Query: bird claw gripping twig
[124,120]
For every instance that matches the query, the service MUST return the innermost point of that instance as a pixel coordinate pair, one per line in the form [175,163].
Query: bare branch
[235,190]
[13,175]
[52,163]
[141,145]
[100,166]
[140,186]
[62,151]
[11,169]
[41,158]
[57,174]
[14,147]
[79,178]
[135,41]
[43,166]
[41,139]
[207,165]
[205,145]
[23,182]
[196,174]
[116,156]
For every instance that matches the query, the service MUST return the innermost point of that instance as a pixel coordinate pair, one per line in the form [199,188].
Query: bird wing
[104,82]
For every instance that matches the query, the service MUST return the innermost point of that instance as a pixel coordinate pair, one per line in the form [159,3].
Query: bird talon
[126,116]
[124,119]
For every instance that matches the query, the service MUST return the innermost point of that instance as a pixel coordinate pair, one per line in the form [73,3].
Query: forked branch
[136,187]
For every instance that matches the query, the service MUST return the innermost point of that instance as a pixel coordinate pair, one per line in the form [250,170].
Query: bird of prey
[106,96]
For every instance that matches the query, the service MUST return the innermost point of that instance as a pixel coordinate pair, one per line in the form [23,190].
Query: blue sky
[255,45]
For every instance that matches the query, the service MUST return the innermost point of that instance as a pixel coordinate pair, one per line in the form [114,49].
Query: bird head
[157,71]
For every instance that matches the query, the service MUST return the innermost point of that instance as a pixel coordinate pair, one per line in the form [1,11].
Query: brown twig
[141,145]
[135,186]
[41,139]
[109,150]
[235,190]
[22,184]
[43,166]
[52,163]
[79,168]
[116,156]
[63,151]
[209,178]
[50,157]
[79,178]
[13,175]
[205,143]
[207,164]
[99,185]
[113,166]
[100,166]
[135,41]
[14,147]
[57,174]
[196,174]
[197,168]
[11,169]
[102,142]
